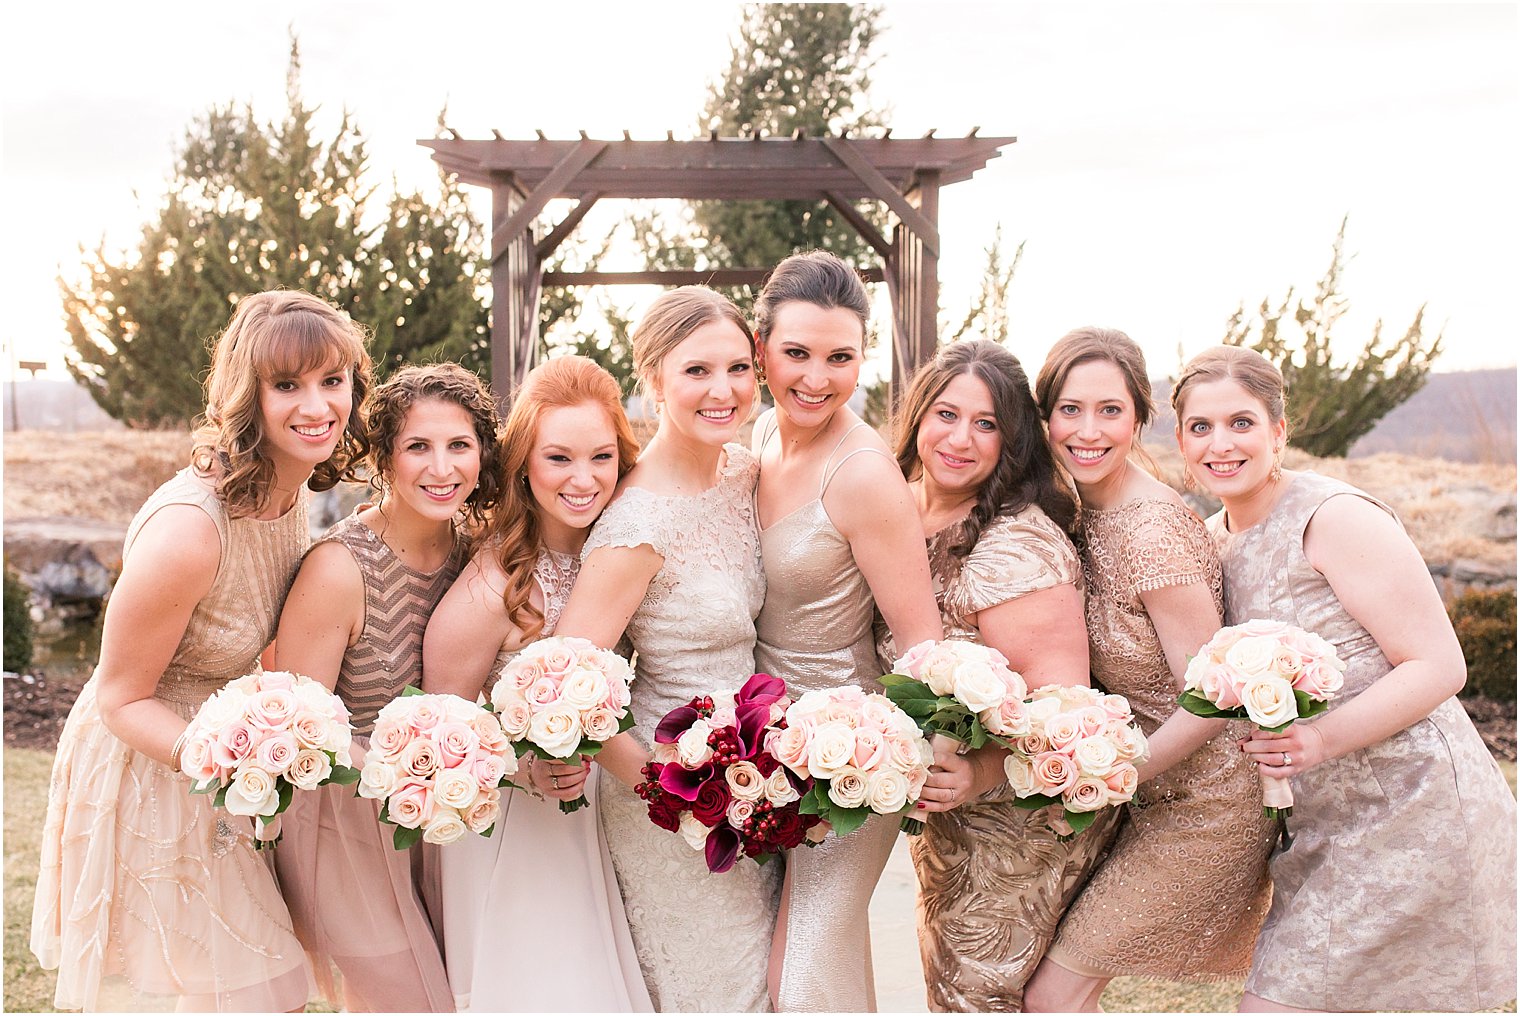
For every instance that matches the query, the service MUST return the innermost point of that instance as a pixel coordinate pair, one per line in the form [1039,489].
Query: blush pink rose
[1063,730]
[422,714]
[272,709]
[544,692]
[389,739]
[790,748]
[410,804]
[456,742]
[234,743]
[276,751]
[1055,772]
[870,749]
[1088,793]
[195,760]
[420,758]
[1122,782]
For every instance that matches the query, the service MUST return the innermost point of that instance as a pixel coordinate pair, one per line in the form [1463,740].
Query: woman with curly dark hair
[144,887]
[354,621]
[994,878]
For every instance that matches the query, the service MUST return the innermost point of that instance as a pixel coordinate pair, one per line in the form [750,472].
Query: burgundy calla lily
[762,688]
[676,722]
[722,848]
[686,783]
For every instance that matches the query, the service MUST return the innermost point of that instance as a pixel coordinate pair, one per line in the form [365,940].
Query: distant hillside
[1465,416]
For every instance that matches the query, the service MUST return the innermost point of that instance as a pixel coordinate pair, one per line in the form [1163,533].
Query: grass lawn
[30,989]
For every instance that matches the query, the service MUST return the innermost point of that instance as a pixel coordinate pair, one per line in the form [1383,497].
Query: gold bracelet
[179,746]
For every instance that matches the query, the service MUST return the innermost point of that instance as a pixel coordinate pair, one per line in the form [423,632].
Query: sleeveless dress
[994,878]
[532,919]
[355,900]
[815,632]
[1184,891]
[146,891]
[1399,889]
[703,940]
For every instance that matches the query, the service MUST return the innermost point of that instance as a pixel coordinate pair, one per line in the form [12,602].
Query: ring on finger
[554,780]
[1287,759]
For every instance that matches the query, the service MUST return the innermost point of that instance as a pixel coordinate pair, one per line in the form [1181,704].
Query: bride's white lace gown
[703,940]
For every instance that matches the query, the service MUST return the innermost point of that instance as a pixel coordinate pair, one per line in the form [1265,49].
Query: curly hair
[1025,473]
[515,530]
[272,335]
[441,382]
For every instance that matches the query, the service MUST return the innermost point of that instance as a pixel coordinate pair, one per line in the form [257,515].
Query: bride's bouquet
[1269,673]
[561,698]
[961,690]
[261,738]
[862,753]
[714,782]
[1080,753]
[437,762]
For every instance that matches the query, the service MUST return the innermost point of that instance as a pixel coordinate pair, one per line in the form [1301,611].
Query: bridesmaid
[675,561]
[994,878]
[565,444]
[146,893]
[1185,888]
[1399,889]
[354,621]
[837,529]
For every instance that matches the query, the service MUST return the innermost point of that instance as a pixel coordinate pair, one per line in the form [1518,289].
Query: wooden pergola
[524,176]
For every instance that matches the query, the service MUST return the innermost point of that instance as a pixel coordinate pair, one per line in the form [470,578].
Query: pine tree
[254,206]
[1331,405]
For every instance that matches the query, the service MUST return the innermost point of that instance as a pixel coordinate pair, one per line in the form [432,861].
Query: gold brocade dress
[1399,889]
[995,878]
[1185,889]
[145,893]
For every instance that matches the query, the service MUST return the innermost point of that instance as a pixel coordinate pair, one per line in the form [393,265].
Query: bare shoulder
[331,568]
[178,541]
[1347,526]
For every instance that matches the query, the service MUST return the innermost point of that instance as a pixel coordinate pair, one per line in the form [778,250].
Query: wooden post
[514,286]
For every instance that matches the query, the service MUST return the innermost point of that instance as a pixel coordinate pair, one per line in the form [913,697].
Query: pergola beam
[679,277]
[549,244]
[843,149]
[560,177]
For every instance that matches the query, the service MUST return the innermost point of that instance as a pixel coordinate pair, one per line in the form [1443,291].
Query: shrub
[18,624]
[1485,624]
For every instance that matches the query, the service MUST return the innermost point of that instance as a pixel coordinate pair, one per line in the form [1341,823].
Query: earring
[760,372]
[1188,482]
[1277,465]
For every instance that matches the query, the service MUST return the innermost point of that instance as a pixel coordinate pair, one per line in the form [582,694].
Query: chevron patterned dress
[355,901]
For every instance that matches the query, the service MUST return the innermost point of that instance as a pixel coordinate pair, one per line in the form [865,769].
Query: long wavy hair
[1091,344]
[1025,473]
[276,334]
[440,382]
[516,528]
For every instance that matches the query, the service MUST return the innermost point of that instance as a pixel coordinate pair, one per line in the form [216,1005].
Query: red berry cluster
[769,831]
[725,745]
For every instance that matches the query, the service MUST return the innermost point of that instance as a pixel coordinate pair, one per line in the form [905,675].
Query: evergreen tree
[1331,405]
[255,206]
[987,317]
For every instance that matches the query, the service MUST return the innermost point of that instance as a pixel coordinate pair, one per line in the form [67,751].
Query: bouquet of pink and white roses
[563,697]
[437,762]
[713,781]
[862,753]
[1080,753]
[261,738]
[1269,673]
[961,690]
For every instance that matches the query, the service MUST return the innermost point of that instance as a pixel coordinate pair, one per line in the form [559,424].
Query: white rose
[600,724]
[1268,700]
[887,792]
[221,710]
[513,711]
[1192,678]
[1042,709]
[693,831]
[445,828]
[939,674]
[848,787]
[311,695]
[1095,756]
[456,788]
[831,749]
[309,768]
[253,791]
[557,730]
[1020,775]
[978,687]
[745,781]
[376,780]
[583,689]
[484,813]
[1252,655]
[779,789]
[1087,794]
[692,748]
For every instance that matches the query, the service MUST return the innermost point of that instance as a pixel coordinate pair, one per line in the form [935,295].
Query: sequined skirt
[147,892]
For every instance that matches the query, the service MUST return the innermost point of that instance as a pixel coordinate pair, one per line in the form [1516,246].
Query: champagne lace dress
[1399,889]
[532,919]
[994,878]
[703,939]
[356,901]
[815,632]
[146,892]
[1185,889]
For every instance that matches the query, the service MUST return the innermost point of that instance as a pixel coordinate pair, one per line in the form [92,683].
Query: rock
[329,506]
[1481,573]
[65,560]
[1499,521]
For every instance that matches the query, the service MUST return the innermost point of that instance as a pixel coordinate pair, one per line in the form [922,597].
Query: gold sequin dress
[354,899]
[146,892]
[1185,889]
[993,878]
[1399,889]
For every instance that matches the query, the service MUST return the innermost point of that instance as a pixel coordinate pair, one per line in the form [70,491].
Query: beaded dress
[994,878]
[356,901]
[146,892]
[1185,888]
[703,939]
[815,632]
[1399,889]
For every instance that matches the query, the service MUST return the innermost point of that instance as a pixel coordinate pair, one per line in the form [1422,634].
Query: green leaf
[1034,801]
[815,801]
[343,776]
[566,807]
[896,681]
[385,811]
[1200,706]
[627,723]
[847,820]
[1079,820]
[411,690]
[287,793]
[220,800]
[403,838]
[204,787]
[489,830]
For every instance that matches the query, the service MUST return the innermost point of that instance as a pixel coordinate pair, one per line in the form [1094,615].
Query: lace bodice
[695,631]
[555,574]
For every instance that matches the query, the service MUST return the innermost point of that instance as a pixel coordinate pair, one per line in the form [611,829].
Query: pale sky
[1173,159]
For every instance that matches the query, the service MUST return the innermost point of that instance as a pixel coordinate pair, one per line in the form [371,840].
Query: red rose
[665,812]
[711,805]
[789,830]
